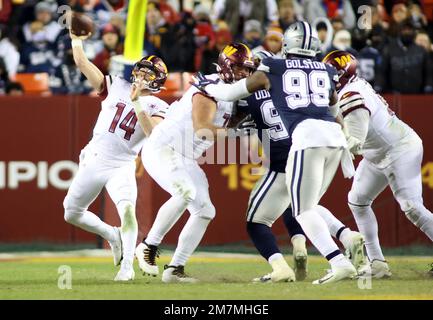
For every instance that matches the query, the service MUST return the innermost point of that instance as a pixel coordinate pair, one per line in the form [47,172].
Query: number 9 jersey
[117,136]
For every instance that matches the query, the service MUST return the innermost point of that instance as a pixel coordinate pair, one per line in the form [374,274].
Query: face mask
[406,39]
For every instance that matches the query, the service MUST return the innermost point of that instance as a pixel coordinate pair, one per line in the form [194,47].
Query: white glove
[354,145]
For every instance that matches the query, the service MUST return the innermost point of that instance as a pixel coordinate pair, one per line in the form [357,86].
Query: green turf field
[222,277]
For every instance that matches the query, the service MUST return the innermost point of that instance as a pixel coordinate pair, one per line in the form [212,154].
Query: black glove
[246,126]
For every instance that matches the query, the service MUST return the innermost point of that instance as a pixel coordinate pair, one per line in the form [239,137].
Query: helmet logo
[229,50]
[343,60]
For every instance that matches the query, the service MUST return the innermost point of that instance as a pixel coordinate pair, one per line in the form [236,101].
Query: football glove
[246,126]
[354,145]
[200,82]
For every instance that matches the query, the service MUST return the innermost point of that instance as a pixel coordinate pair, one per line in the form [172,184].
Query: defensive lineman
[108,160]
[191,126]
[302,91]
[392,154]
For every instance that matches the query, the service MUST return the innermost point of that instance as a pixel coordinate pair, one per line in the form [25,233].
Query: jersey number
[277,130]
[303,89]
[127,124]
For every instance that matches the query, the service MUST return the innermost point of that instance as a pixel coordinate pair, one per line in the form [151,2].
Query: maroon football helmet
[235,62]
[346,65]
[156,71]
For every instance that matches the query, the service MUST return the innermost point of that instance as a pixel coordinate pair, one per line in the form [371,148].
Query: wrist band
[77,43]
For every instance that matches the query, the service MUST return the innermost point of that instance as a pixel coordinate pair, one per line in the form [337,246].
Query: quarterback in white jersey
[108,160]
[191,126]
[392,154]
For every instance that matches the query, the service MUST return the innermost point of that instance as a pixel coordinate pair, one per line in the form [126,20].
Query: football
[81,24]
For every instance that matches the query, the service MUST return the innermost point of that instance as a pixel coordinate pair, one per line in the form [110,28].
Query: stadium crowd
[391,39]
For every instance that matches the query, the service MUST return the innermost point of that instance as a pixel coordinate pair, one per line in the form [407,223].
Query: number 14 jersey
[117,135]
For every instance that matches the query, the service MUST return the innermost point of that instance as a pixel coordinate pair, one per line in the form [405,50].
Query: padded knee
[72,213]
[358,200]
[185,190]
[207,211]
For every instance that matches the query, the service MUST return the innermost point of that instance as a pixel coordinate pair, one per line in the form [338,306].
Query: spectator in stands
[159,39]
[8,52]
[112,46]
[204,33]
[273,41]
[210,56]
[14,89]
[419,19]
[235,12]
[423,40]
[337,24]
[343,41]
[168,13]
[183,39]
[286,9]
[104,10]
[66,78]
[399,15]
[325,32]
[43,28]
[369,59]
[252,35]
[330,9]
[406,67]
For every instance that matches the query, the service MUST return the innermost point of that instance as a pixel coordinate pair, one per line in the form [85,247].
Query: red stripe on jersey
[361,106]
[157,115]
[204,95]
[348,95]
[104,92]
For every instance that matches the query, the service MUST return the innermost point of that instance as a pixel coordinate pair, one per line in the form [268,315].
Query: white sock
[333,223]
[90,222]
[421,217]
[167,216]
[189,239]
[339,261]
[367,225]
[128,230]
[317,231]
[274,257]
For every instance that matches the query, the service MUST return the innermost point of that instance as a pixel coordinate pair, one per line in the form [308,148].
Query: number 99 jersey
[117,135]
[301,91]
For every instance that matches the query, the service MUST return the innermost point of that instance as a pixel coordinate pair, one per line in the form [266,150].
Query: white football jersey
[177,128]
[117,135]
[387,134]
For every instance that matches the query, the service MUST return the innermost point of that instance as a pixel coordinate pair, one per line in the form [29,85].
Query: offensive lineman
[302,91]
[108,160]
[392,154]
[170,156]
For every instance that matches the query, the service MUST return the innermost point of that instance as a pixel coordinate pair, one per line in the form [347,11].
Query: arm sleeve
[357,124]
[228,92]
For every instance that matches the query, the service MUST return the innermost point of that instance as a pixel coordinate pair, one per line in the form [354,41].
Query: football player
[270,199]
[191,126]
[108,160]
[302,90]
[392,154]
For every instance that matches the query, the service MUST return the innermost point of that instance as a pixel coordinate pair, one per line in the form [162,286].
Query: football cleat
[126,273]
[355,251]
[176,274]
[116,247]
[300,258]
[377,269]
[264,279]
[337,274]
[146,256]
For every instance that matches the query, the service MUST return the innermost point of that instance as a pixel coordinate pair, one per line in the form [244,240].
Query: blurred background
[48,109]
